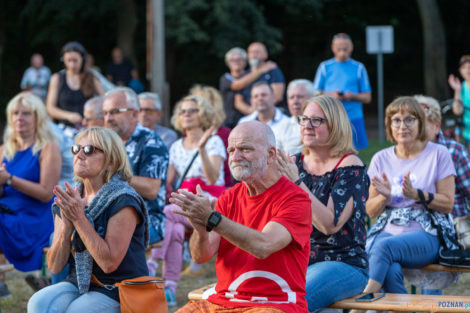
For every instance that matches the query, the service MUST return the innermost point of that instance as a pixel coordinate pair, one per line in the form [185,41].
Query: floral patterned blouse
[348,244]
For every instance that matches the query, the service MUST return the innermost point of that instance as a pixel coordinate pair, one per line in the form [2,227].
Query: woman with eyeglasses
[70,88]
[405,177]
[100,229]
[30,167]
[330,172]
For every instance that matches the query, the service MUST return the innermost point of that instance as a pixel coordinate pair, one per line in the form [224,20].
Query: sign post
[380,41]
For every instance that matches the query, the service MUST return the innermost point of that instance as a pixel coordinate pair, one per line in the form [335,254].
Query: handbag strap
[96,281]
[186,170]
[437,226]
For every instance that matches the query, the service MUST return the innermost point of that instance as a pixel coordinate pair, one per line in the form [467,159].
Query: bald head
[342,47]
[252,152]
[257,54]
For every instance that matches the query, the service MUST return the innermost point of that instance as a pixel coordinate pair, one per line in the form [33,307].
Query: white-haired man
[288,132]
[147,154]
[151,114]
[93,112]
[261,229]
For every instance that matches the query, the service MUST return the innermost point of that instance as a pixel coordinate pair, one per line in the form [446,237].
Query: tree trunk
[127,24]
[435,73]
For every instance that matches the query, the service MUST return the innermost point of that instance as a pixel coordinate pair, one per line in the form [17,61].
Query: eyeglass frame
[411,121]
[80,147]
[117,111]
[189,111]
[310,119]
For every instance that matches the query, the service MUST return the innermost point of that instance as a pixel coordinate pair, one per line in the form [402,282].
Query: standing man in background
[36,77]
[346,80]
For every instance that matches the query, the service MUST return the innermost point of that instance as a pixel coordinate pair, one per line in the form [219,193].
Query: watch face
[213,219]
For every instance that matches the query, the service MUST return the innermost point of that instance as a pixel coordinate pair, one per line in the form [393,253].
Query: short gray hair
[234,50]
[431,107]
[131,96]
[96,104]
[154,96]
[307,84]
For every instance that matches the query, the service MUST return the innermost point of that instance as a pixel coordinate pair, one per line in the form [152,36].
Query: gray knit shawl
[108,193]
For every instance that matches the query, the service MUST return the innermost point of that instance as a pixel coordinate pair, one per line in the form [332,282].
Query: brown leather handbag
[144,294]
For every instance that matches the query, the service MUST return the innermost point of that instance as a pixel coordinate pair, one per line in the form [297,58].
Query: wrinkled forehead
[247,136]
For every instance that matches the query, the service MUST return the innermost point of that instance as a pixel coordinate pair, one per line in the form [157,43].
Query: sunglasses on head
[87,150]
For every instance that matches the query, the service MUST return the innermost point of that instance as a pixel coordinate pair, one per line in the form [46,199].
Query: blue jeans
[65,298]
[388,253]
[331,281]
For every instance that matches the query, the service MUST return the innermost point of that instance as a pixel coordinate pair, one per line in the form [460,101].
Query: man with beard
[261,230]
[147,154]
[262,100]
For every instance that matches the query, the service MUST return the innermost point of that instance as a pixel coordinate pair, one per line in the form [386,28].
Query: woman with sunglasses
[194,117]
[70,88]
[407,177]
[30,167]
[330,172]
[100,229]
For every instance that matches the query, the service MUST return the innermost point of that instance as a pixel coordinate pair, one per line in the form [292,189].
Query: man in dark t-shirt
[120,70]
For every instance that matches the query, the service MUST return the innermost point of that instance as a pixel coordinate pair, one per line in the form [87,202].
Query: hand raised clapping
[286,165]
[382,185]
[71,204]
[407,188]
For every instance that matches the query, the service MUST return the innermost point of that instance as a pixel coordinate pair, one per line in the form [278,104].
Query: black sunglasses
[87,150]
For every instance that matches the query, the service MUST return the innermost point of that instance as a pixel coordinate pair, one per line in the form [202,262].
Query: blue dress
[25,223]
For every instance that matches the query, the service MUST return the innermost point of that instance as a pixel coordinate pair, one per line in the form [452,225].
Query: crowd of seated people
[162,189]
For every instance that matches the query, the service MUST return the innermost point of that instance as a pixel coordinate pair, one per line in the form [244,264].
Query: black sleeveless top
[69,100]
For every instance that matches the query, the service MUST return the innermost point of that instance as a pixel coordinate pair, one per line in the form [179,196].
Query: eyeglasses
[408,121]
[148,110]
[116,111]
[189,111]
[314,121]
[89,119]
[87,150]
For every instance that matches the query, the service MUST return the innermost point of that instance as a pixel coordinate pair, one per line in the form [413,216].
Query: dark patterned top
[348,244]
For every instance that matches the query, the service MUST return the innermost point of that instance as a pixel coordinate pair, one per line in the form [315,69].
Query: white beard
[243,170]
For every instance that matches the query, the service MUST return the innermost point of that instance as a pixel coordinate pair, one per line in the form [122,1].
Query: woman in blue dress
[30,165]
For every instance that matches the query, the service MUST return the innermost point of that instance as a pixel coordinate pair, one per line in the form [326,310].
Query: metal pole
[380,90]
[380,95]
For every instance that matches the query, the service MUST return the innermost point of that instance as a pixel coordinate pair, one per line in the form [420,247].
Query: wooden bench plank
[197,294]
[408,303]
[438,267]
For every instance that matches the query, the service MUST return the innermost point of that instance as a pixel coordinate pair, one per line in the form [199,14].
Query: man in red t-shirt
[261,229]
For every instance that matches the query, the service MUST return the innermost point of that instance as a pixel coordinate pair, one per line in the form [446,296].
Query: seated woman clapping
[330,172]
[103,221]
[404,235]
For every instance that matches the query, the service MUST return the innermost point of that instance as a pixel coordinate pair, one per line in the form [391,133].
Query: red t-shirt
[279,280]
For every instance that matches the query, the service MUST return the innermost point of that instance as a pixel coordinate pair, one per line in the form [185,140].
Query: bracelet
[298,181]
[422,200]
[431,197]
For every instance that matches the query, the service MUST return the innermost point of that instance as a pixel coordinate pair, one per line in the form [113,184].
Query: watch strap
[213,220]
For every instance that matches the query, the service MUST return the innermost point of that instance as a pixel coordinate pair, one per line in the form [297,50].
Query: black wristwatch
[213,220]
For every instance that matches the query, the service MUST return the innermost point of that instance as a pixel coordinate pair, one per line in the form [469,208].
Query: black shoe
[36,283]
[4,292]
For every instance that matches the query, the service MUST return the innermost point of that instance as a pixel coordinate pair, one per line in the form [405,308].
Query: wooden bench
[443,268]
[6,268]
[390,302]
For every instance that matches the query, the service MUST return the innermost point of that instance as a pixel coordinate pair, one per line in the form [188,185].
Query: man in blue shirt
[258,57]
[346,80]
[147,154]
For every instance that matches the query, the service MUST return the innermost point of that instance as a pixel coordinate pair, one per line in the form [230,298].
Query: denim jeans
[388,253]
[331,281]
[65,298]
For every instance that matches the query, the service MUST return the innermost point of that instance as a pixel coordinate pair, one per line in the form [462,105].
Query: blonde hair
[214,97]
[431,107]
[340,139]
[412,106]
[43,133]
[206,114]
[115,155]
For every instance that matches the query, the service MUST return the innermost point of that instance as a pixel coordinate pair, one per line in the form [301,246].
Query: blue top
[465,95]
[25,230]
[348,244]
[350,75]
[273,76]
[149,157]
[133,264]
